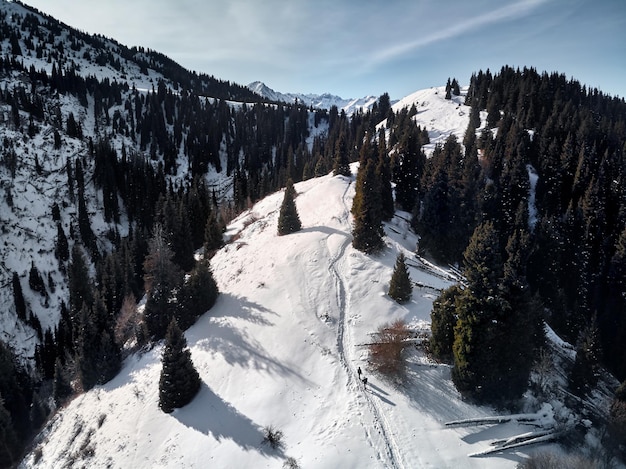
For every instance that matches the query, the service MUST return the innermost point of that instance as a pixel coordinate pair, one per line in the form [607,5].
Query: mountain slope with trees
[118,167]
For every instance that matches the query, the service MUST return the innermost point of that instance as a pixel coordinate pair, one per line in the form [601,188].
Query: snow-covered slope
[439,116]
[281,347]
[322,101]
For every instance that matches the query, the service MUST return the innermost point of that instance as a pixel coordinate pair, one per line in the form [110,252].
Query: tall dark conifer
[179,381]
[367,228]
[288,218]
[400,286]
[341,162]
[162,277]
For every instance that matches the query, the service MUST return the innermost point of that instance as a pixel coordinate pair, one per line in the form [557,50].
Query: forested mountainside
[115,159]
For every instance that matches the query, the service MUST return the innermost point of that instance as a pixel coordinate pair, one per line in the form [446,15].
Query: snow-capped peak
[321,101]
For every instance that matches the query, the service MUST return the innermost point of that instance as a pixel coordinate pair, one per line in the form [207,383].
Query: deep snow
[281,347]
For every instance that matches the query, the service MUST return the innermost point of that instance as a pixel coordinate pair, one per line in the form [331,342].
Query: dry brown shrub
[386,350]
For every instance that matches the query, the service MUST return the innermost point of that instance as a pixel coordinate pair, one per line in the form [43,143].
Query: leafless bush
[273,437]
[385,352]
[291,463]
[129,327]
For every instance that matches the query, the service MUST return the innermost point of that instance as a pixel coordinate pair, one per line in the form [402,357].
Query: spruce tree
[179,381]
[341,163]
[197,295]
[61,388]
[288,219]
[367,229]
[18,297]
[478,333]
[213,239]
[443,318]
[400,287]
[162,277]
[10,447]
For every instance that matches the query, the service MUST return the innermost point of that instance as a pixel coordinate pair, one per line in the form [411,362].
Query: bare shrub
[385,352]
[273,437]
[291,463]
[129,327]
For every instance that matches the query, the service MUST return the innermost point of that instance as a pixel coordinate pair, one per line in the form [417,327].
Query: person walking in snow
[359,372]
[365,382]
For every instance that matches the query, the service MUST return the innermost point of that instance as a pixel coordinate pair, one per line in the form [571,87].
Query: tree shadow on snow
[209,414]
[215,334]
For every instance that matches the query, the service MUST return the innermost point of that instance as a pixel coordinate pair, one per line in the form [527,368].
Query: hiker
[365,381]
[359,372]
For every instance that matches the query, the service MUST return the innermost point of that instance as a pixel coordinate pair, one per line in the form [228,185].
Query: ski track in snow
[391,451]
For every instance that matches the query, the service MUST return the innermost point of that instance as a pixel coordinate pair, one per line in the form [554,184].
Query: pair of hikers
[364,380]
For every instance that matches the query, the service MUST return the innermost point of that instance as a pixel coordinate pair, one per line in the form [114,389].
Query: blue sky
[355,48]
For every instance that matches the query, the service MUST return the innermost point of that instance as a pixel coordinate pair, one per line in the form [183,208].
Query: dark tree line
[566,256]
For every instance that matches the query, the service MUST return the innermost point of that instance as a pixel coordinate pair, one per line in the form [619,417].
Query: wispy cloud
[505,13]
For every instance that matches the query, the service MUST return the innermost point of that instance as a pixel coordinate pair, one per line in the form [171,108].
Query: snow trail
[392,451]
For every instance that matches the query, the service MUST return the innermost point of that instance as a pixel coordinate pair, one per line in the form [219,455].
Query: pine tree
[400,287]
[213,239]
[162,277]
[98,356]
[443,318]
[478,335]
[61,248]
[341,164]
[383,171]
[61,388]
[179,381]
[197,295]
[9,445]
[18,297]
[288,219]
[367,229]
[585,372]
[409,167]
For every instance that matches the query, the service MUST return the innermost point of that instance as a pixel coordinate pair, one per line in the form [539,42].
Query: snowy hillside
[281,347]
[321,101]
[439,116]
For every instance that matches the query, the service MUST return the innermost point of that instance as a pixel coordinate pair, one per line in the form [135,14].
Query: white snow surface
[439,116]
[320,101]
[281,347]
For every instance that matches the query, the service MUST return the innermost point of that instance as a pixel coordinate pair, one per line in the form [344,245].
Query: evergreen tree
[585,372]
[61,388]
[98,357]
[367,229]
[18,297]
[443,318]
[179,381]
[400,287]
[288,219]
[35,281]
[61,249]
[341,164]
[162,278]
[80,285]
[9,445]
[408,167]
[197,295]
[213,239]
[478,335]
[383,171]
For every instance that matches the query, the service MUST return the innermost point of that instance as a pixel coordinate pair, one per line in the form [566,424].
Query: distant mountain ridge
[321,101]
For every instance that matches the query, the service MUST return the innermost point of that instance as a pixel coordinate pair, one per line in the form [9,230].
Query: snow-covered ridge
[281,347]
[321,101]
